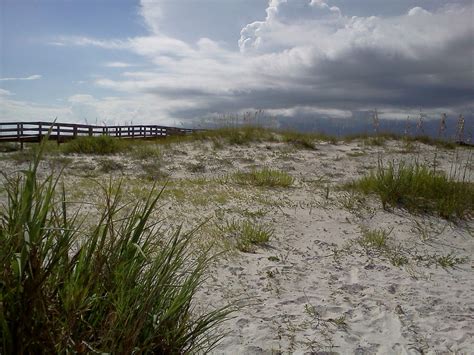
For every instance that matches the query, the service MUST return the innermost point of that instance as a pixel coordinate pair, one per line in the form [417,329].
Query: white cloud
[81,99]
[152,14]
[303,57]
[4,92]
[417,11]
[20,110]
[86,41]
[118,65]
[31,77]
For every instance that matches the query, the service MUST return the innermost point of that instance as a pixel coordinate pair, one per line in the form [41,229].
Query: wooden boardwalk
[35,131]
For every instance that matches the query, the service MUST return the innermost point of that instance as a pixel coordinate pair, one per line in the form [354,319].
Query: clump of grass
[247,235]
[240,135]
[300,140]
[145,151]
[121,287]
[101,145]
[109,165]
[420,189]
[374,239]
[264,178]
[377,243]
[7,147]
[376,141]
[449,260]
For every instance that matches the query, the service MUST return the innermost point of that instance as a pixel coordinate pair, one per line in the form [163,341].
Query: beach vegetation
[265,177]
[119,286]
[419,188]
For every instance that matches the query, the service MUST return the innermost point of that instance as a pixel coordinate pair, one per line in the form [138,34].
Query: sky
[178,62]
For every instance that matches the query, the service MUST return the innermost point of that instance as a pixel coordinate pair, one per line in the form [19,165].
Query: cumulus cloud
[31,77]
[303,57]
[417,11]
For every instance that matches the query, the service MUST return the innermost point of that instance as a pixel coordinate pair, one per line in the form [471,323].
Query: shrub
[122,287]
[265,177]
[101,145]
[420,189]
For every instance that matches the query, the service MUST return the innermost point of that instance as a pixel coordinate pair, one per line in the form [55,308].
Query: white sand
[303,292]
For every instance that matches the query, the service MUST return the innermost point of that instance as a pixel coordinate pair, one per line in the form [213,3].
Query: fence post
[58,133]
[74,131]
[19,130]
[90,131]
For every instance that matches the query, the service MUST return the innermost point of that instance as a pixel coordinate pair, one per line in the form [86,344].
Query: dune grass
[419,188]
[246,235]
[263,178]
[121,286]
[100,145]
[301,140]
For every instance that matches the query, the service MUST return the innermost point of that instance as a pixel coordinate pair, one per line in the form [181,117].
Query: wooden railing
[35,131]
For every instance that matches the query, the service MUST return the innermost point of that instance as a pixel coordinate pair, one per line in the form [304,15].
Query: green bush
[420,189]
[101,145]
[121,287]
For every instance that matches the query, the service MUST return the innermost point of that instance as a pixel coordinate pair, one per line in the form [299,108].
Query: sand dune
[312,287]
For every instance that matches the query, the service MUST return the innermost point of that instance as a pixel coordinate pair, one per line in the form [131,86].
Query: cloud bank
[304,57]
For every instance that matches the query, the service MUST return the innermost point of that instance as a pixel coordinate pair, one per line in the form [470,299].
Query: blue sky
[179,61]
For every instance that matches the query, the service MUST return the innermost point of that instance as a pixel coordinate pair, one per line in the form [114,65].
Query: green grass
[247,235]
[145,151]
[374,239]
[7,147]
[264,178]
[241,135]
[30,151]
[301,140]
[420,189]
[121,286]
[101,145]
[377,243]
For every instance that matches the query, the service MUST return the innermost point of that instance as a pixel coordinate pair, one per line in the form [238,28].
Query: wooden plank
[30,131]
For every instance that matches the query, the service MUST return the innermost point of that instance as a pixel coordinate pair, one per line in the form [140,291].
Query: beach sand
[312,288]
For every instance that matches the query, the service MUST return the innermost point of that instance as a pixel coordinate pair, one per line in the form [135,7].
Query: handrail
[35,131]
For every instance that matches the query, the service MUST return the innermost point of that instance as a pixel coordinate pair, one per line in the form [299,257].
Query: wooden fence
[61,132]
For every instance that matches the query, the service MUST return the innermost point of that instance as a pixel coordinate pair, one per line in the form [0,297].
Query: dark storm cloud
[308,57]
